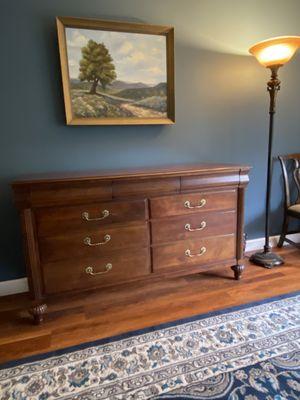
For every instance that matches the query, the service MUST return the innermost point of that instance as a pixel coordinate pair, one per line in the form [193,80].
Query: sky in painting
[137,57]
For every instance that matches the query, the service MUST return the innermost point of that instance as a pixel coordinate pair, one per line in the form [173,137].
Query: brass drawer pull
[189,254]
[202,226]
[88,241]
[202,203]
[85,215]
[90,270]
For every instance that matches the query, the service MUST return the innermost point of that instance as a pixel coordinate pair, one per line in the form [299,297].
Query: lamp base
[267,259]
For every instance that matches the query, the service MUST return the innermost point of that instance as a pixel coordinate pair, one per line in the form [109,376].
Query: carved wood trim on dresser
[91,230]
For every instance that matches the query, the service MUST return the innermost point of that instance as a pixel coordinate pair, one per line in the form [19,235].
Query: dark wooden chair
[290,165]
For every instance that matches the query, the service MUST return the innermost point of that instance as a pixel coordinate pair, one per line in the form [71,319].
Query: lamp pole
[273,86]
[266,258]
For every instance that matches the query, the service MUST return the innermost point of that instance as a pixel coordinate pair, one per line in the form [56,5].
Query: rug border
[99,342]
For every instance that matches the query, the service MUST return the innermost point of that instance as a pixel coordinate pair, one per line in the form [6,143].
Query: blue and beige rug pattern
[250,352]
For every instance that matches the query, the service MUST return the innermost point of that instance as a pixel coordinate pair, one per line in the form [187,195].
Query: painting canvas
[118,73]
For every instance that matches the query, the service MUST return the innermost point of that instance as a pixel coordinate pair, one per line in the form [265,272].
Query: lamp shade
[275,51]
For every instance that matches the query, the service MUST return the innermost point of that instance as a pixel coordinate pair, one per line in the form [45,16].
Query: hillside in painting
[141,93]
[119,99]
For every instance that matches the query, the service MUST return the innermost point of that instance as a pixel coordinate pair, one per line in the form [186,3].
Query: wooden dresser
[83,231]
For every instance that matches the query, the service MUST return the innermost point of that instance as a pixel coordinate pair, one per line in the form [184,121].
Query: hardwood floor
[94,315]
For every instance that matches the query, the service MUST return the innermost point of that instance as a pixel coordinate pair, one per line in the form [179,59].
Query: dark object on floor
[290,165]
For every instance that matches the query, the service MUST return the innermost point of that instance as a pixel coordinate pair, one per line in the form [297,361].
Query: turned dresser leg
[238,269]
[38,311]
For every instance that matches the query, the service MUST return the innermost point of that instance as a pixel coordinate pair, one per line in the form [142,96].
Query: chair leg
[284,230]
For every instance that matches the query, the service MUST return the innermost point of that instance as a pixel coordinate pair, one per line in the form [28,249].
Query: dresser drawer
[109,269]
[193,226]
[56,220]
[193,202]
[93,243]
[194,252]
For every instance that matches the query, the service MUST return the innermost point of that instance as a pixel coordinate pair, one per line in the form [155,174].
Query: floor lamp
[272,53]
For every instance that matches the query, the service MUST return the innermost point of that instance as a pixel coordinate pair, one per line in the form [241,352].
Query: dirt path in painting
[126,104]
[141,112]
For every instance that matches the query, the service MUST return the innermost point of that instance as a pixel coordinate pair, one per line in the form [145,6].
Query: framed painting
[116,73]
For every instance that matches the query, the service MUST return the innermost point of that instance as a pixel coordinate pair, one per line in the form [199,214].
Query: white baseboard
[257,244]
[13,286]
[21,285]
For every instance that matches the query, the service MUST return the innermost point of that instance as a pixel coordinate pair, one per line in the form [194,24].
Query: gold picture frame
[110,51]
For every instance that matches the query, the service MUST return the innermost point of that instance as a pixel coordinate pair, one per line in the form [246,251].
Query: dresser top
[149,172]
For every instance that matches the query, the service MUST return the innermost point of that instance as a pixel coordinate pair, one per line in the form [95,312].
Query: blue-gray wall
[221,100]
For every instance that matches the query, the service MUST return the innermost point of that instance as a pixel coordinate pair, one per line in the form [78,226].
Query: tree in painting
[96,65]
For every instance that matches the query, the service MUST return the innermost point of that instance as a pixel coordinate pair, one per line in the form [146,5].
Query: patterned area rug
[249,352]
